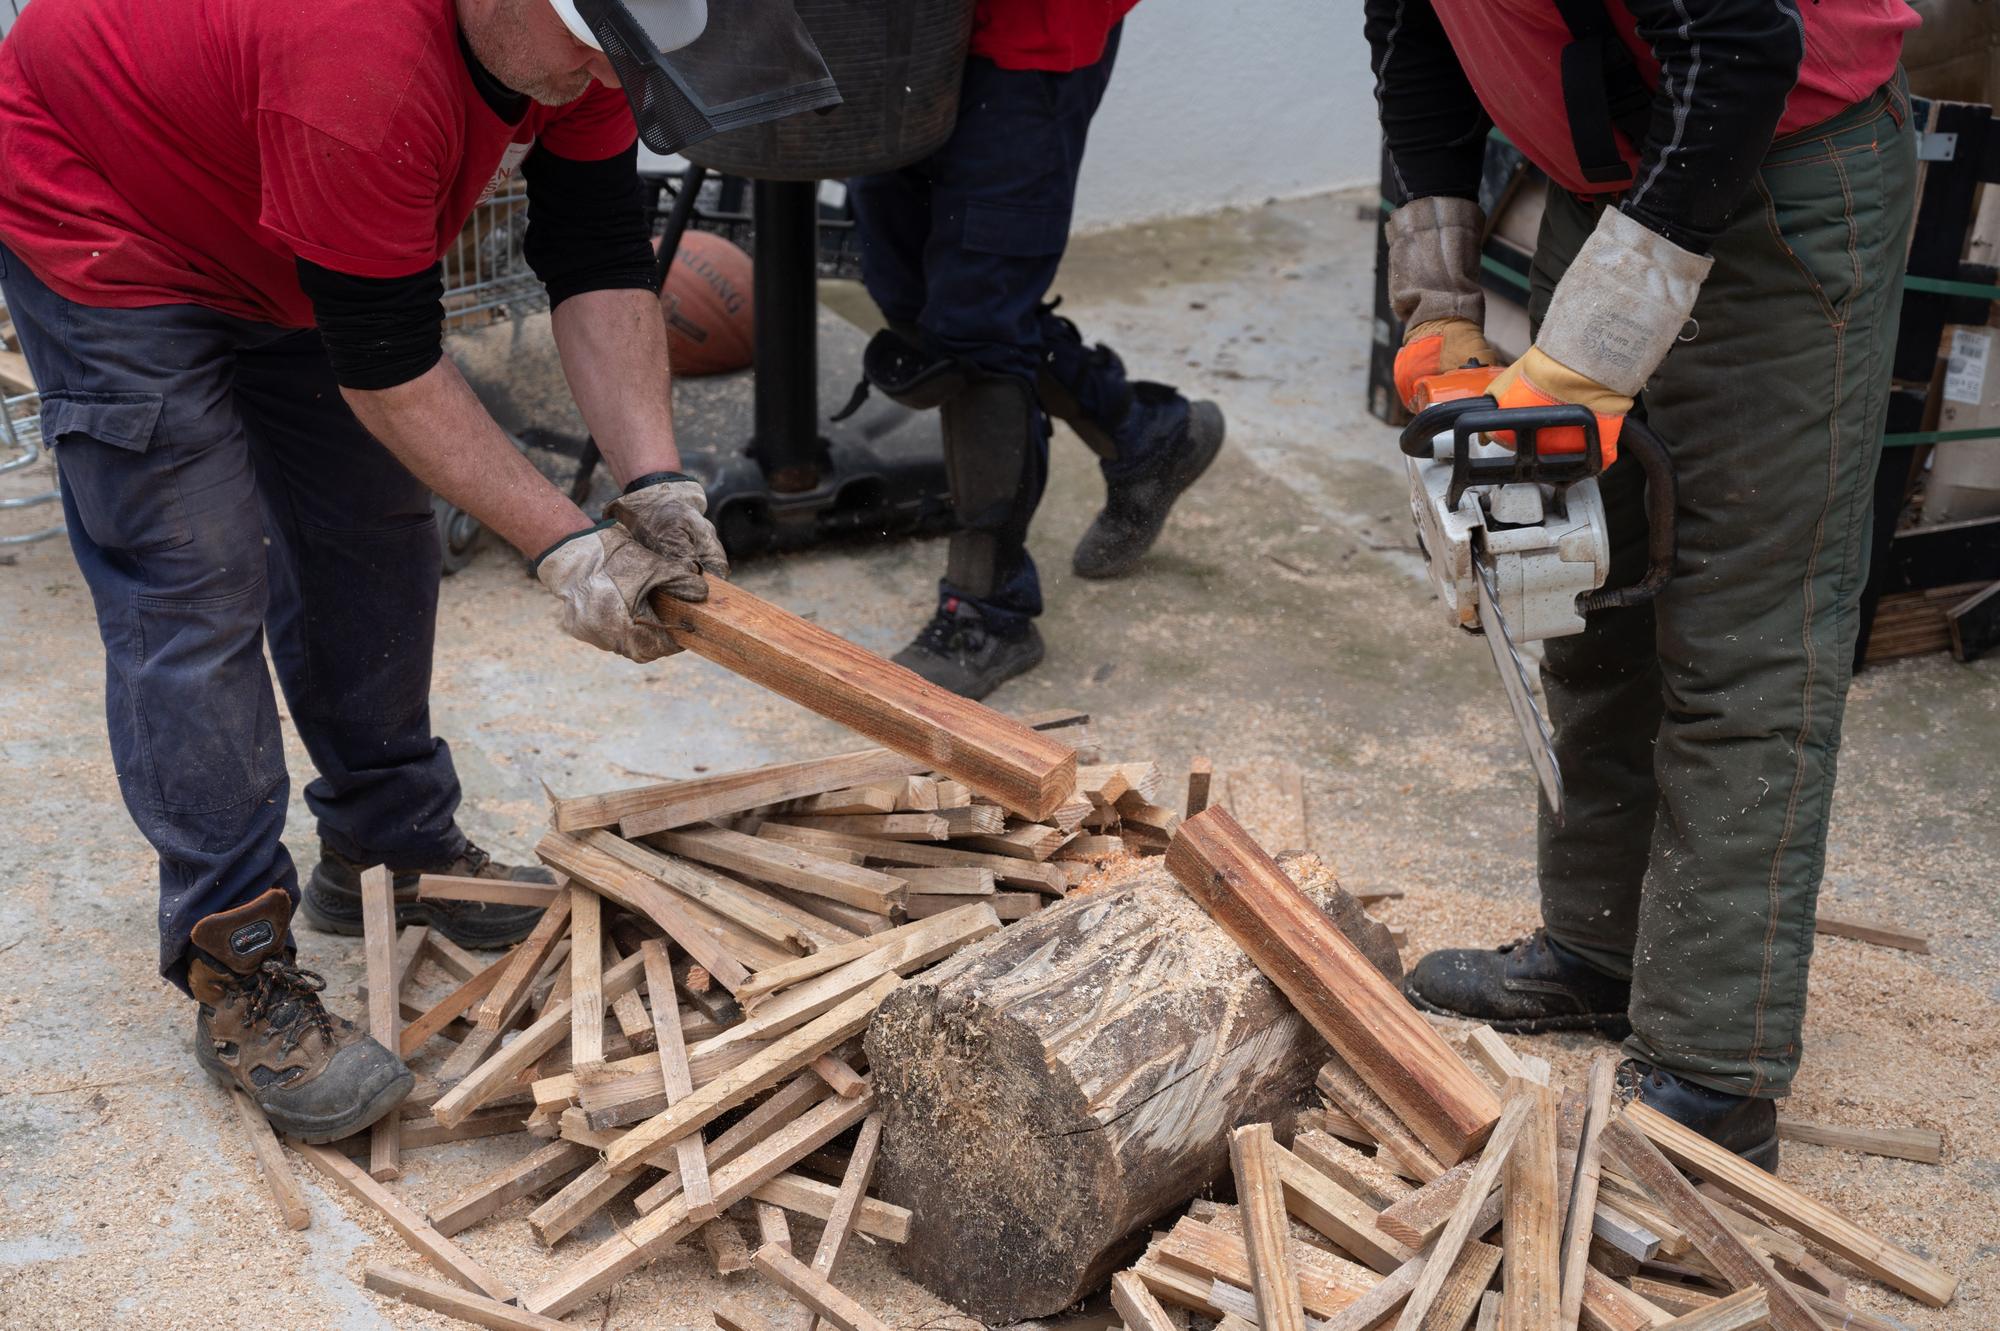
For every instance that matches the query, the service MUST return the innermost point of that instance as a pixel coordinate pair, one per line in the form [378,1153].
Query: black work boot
[332,899]
[1136,506]
[1744,1124]
[958,651]
[1525,987]
[262,1028]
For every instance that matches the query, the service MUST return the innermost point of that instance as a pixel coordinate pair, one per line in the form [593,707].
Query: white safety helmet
[669,24]
[689,74]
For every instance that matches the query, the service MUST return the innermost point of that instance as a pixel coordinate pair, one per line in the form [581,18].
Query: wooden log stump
[1050,1090]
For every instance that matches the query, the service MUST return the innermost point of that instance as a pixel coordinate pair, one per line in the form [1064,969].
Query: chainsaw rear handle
[1469,417]
[1638,441]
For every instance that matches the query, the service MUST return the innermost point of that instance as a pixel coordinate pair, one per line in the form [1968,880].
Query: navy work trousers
[964,245]
[221,495]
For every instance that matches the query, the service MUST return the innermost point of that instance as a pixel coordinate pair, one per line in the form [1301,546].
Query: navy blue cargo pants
[964,245]
[220,497]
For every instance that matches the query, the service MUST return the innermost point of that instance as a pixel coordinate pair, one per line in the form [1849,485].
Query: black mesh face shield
[754,61]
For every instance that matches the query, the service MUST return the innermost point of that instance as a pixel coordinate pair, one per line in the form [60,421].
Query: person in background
[959,251]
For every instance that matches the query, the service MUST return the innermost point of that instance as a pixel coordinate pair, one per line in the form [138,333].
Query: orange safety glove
[1437,348]
[1540,380]
[1624,299]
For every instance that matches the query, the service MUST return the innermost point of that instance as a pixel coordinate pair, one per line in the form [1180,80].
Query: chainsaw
[1515,535]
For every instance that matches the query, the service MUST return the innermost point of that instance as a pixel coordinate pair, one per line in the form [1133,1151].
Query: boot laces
[475,860]
[288,997]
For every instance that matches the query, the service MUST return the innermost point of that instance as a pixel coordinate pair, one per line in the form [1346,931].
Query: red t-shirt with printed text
[157,152]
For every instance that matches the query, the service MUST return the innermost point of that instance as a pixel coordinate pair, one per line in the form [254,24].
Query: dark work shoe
[1530,985]
[1136,506]
[261,1028]
[332,899]
[958,651]
[1744,1124]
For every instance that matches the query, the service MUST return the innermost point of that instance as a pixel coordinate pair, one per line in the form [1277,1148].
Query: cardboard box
[1964,477]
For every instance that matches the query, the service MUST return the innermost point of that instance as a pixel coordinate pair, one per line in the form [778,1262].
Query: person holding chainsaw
[220,234]
[1731,187]
[958,251]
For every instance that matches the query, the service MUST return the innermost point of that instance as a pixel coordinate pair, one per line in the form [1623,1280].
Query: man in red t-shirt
[959,250]
[1730,198]
[220,234]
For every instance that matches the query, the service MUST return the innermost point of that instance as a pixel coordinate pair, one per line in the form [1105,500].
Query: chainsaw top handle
[1470,417]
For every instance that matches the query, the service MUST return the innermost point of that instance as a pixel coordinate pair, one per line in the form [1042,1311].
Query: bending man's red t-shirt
[186,153]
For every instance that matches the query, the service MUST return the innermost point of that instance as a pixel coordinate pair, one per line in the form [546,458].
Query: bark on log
[1050,1090]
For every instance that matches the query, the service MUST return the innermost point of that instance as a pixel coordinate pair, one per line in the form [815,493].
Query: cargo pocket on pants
[116,469]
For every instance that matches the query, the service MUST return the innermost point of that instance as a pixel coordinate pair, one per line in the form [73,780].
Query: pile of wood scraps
[1549,1208]
[680,1035]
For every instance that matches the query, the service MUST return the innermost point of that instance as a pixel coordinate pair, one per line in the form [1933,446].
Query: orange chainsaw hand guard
[1514,387]
[1441,348]
[1453,385]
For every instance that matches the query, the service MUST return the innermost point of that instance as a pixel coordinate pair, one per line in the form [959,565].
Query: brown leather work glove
[605,580]
[667,513]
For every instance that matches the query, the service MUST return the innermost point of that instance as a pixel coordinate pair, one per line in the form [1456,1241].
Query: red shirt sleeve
[595,126]
[367,213]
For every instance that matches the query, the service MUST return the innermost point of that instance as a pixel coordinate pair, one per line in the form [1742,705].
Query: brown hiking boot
[332,899]
[262,1028]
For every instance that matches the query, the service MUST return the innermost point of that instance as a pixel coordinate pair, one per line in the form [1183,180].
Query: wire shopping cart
[23,458]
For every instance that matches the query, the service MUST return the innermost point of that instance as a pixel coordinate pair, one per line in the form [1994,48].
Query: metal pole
[786,294]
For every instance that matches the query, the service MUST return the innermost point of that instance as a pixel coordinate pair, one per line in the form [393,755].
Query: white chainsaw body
[1541,547]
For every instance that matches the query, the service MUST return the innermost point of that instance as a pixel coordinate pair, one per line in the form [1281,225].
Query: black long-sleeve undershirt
[1726,70]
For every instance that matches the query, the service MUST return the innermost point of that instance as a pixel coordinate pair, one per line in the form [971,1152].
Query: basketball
[707,302]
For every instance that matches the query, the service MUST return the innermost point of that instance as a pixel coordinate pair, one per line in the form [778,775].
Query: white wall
[1219,102]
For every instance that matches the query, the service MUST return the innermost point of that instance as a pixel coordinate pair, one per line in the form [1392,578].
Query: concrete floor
[1280,619]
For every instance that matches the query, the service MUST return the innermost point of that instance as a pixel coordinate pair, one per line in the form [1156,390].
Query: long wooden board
[378,930]
[1922,1280]
[426,1292]
[416,1231]
[997,757]
[636,891]
[1358,1011]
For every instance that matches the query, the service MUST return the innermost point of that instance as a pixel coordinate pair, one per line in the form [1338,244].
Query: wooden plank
[1136,1304]
[378,941]
[1923,1145]
[770,1065]
[1416,1219]
[1745,1310]
[1578,1223]
[744,906]
[1374,1183]
[840,1075]
[878,797]
[1027,841]
[957,880]
[1467,1280]
[638,892]
[778,1110]
[499,1073]
[1201,772]
[586,984]
[1338,991]
[1266,1232]
[1532,1219]
[856,922]
[1326,1283]
[278,1176]
[1609,1306]
[1342,1085]
[1975,624]
[1628,1149]
[440,1251]
[765,983]
[1922,1280]
[999,758]
[1005,905]
[653,1234]
[1882,935]
[810,1197]
[495,891]
[728,1251]
[771,1224]
[893,826]
[1336,1213]
[813,1289]
[691,1160]
[424,1292]
[1007,869]
[847,1202]
[510,995]
[640,810]
[788,866]
[1458,1229]
[532,1173]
